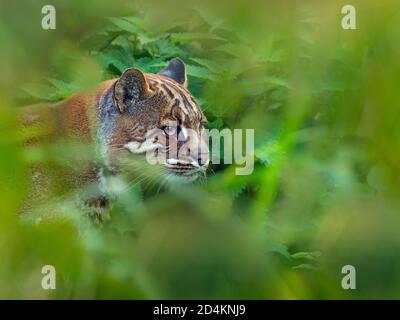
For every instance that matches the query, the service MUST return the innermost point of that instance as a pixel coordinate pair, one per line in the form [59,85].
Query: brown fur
[77,119]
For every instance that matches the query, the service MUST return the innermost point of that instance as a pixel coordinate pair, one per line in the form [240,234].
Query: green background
[324,103]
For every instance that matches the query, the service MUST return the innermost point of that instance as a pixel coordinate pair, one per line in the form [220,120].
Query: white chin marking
[171,161]
[177,161]
[141,147]
[182,179]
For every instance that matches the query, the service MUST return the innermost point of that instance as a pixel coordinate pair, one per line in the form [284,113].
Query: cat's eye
[170,130]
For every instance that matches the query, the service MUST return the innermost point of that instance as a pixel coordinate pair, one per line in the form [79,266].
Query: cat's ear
[130,88]
[176,70]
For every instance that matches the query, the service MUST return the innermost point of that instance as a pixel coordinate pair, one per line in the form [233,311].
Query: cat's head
[156,115]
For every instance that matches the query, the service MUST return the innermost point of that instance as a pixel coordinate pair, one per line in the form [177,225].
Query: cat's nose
[203,160]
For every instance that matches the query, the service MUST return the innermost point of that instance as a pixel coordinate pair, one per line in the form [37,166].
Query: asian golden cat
[132,115]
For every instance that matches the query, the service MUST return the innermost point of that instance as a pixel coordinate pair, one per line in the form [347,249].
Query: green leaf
[305,266]
[41,91]
[190,37]
[198,72]
[209,64]
[236,50]
[281,249]
[56,91]
[306,255]
[166,49]
[212,21]
[270,153]
[125,25]
[123,42]
[145,38]
[138,22]
[120,59]
[150,65]
[216,124]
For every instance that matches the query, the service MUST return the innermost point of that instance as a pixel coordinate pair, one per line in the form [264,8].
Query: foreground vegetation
[324,192]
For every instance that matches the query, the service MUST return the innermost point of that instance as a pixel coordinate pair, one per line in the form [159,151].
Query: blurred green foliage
[324,104]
